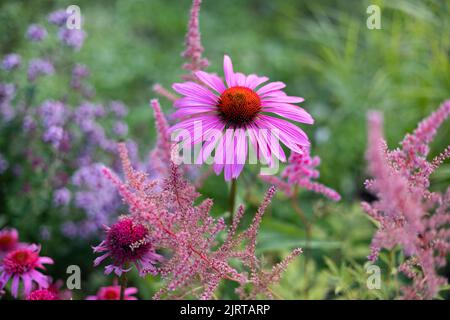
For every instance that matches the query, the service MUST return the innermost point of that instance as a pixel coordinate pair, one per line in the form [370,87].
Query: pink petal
[228,71]
[240,79]
[253,81]
[289,111]
[27,284]
[45,260]
[284,99]
[270,87]
[195,91]
[183,112]
[15,286]
[291,135]
[190,102]
[211,80]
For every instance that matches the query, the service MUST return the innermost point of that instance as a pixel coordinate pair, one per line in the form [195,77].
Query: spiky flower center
[20,261]
[42,294]
[239,106]
[110,293]
[127,241]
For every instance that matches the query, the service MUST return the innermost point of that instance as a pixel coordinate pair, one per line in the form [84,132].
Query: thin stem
[232,198]
[123,285]
[308,235]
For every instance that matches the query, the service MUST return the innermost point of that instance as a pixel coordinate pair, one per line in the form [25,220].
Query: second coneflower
[239,110]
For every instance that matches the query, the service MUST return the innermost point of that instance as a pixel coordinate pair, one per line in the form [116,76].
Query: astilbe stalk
[300,173]
[189,233]
[407,212]
[192,53]
[194,48]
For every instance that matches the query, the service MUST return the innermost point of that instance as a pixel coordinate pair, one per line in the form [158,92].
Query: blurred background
[322,50]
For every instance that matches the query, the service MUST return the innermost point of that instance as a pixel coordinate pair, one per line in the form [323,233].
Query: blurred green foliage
[324,52]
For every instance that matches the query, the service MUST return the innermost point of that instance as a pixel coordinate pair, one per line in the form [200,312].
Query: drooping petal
[15,286]
[291,135]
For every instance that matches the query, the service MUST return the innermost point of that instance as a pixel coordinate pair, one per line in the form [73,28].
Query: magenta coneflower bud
[128,242]
[9,240]
[21,265]
[42,294]
[113,293]
[36,32]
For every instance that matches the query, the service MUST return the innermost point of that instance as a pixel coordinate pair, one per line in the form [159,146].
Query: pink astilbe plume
[189,233]
[194,48]
[408,214]
[299,173]
[161,155]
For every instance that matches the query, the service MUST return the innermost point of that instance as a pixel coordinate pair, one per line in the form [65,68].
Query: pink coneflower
[236,110]
[9,240]
[42,294]
[128,242]
[22,264]
[113,293]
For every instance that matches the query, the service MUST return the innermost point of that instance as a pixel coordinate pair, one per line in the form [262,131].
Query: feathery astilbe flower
[408,214]
[113,293]
[22,264]
[194,48]
[161,155]
[300,173]
[190,234]
[220,117]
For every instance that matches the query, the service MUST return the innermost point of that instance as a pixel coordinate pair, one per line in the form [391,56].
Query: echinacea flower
[128,242]
[113,293]
[235,110]
[42,294]
[22,264]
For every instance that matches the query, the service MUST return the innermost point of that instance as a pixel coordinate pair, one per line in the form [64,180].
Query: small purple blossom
[29,124]
[52,113]
[58,17]
[36,32]
[7,93]
[73,38]
[62,197]
[120,129]
[54,135]
[118,109]
[11,61]
[38,67]
[3,164]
